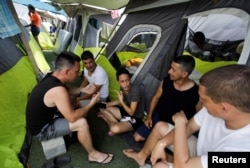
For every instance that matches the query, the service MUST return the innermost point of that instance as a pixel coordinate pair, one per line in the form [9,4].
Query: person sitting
[195,45]
[124,114]
[51,96]
[93,74]
[223,122]
[52,29]
[176,92]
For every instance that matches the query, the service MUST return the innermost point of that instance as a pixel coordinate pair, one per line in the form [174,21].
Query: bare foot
[100,157]
[130,153]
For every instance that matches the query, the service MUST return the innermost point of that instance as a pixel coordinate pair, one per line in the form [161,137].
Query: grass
[101,141]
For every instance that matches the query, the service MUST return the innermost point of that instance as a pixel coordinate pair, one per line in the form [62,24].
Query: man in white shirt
[223,123]
[93,74]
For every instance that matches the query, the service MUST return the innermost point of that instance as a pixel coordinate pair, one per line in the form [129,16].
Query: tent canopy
[107,4]
[169,21]
[41,5]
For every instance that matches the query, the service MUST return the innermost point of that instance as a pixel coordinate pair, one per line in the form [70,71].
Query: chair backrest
[62,41]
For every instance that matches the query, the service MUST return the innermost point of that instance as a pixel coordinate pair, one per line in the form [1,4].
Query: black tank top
[172,101]
[37,113]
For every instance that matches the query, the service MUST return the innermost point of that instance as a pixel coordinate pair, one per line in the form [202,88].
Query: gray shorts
[59,127]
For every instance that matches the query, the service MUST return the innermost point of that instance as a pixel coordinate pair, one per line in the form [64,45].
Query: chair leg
[23,155]
[57,162]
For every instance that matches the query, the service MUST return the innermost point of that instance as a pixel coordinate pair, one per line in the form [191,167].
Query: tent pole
[25,41]
[110,35]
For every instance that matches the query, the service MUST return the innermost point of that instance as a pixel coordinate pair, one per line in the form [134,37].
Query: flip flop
[103,162]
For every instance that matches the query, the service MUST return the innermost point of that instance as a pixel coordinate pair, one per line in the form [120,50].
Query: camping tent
[17,78]
[169,20]
[169,23]
[42,7]
[165,20]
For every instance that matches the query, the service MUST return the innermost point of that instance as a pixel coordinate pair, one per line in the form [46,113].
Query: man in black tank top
[176,93]
[51,96]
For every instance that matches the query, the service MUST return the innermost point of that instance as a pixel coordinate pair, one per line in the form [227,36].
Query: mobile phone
[100,105]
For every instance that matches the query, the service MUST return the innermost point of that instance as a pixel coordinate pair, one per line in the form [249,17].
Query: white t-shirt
[99,77]
[214,136]
[194,48]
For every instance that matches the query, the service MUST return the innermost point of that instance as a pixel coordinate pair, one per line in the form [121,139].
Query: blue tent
[41,5]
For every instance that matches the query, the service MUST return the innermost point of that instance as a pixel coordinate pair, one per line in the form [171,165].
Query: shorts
[170,165]
[59,127]
[144,131]
[192,143]
[134,121]
[83,103]
[35,30]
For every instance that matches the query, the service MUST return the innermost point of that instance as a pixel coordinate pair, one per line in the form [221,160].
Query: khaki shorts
[192,143]
[170,165]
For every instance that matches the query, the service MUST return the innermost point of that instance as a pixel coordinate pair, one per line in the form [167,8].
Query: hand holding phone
[100,105]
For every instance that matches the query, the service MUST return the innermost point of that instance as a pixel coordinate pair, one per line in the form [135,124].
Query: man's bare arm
[59,97]
[168,140]
[153,103]
[182,157]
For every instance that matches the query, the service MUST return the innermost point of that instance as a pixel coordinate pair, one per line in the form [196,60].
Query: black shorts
[134,121]
[35,30]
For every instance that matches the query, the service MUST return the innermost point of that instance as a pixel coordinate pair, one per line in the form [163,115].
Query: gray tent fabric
[199,6]
[75,27]
[7,60]
[173,22]
[92,33]
[248,62]
[90,38]
[168,18]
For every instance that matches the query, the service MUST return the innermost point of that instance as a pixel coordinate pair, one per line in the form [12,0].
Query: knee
[83,124]
[160,124]
[161,128]
[115,129]
[138,138]
[161,165]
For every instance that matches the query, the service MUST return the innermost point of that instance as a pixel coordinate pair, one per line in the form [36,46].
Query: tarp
[22,12]
[41,5]
[8,26]
[16,84]
[107,4]
[168,19]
